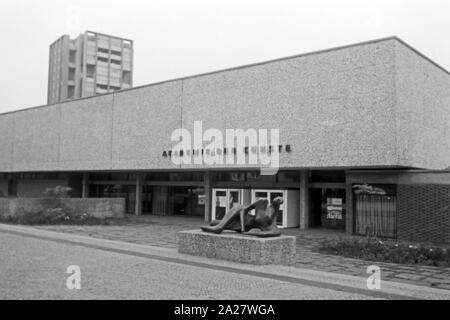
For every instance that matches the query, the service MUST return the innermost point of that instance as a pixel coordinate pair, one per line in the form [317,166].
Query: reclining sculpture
[239,219]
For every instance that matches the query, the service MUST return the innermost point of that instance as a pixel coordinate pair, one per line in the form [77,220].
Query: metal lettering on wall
[224,151]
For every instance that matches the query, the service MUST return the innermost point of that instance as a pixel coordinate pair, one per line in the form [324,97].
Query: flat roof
[243,67]
[107,35]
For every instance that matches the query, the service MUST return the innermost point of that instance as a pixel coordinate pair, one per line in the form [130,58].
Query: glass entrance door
[234,198]
[270,195]
[224,200]
[280,214]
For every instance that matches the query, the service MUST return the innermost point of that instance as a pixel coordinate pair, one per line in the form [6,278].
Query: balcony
[114,82]
[116,44]
[102,80]
[102,55]
[116,57]
[88,84]
[101,91]
[103,43]
[126,66]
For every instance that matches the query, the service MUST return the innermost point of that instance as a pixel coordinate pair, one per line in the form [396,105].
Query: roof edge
[421,55]
[241,67]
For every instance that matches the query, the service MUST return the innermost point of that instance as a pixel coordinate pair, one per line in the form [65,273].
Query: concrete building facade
[364,135]
[93,63]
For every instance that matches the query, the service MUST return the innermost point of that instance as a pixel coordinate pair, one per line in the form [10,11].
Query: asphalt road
[32,268]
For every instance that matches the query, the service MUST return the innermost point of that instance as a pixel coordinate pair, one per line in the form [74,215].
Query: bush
[53,213]
[57,192]
[388,251]
[54,216]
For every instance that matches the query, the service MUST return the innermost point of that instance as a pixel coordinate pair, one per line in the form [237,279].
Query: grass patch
[374,249]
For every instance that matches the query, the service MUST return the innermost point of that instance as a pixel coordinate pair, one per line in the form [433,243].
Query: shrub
[54,216]
[57,192]
[374,249]
[52,211]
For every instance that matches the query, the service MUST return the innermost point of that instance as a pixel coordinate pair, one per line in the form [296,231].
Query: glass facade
[174,200]
[115,191]
[147,199]
[183,193]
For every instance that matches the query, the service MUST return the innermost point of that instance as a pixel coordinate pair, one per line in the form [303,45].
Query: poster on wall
[201,199]
[334,208]
[222,201]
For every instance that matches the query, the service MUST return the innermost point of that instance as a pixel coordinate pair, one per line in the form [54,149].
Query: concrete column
[85,186]
[304,199]
[349,210]
[208,196]
[138,203]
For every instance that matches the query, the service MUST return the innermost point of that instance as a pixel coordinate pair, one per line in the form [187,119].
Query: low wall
[98,208]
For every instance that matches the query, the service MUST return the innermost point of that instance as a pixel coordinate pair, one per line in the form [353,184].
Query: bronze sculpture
[239,219]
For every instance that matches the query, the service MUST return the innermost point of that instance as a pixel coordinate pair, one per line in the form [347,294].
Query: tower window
[71,74]
[70,92]
[72,56]
[126,77]
[90,71]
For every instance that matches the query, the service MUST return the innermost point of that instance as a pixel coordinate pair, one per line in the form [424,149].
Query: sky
[176,38]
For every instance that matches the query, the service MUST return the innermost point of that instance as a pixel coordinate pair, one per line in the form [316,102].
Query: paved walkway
[161,231]
[36,261]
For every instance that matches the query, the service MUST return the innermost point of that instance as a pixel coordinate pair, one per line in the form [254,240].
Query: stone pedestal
[237,247]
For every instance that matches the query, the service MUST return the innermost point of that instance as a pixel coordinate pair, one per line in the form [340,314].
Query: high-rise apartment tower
[93,63]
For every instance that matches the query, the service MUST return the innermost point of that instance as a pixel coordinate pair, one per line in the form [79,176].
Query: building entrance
[327,208]
[224,200]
